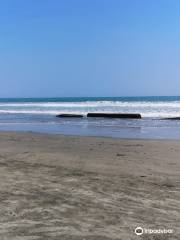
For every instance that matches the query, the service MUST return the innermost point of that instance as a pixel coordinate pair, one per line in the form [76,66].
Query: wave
[94,104]
[37,112]
[145,108]
[147,114]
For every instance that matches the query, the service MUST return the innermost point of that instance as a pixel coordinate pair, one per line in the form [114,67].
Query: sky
[78,48]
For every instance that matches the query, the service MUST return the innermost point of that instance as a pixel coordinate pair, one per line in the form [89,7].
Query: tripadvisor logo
[139,231]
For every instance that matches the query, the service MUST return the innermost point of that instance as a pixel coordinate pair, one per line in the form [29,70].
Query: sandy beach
[87,188]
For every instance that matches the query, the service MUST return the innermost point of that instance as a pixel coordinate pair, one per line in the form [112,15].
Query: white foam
[172,104]
[146,109]
[37,112]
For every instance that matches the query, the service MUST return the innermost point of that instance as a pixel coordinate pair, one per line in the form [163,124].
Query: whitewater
[39,115]
[151,109]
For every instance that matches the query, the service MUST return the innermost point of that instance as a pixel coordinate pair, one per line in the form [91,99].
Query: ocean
[39,115]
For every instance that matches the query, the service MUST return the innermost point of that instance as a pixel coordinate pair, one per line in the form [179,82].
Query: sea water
[39,115]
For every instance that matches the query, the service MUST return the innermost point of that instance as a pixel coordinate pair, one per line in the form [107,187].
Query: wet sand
[86,188]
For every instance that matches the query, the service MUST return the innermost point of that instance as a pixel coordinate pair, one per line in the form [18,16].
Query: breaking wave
[151,109]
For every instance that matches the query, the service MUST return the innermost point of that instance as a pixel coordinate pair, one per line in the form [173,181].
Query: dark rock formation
[69,115]
[171,118]
[115,115]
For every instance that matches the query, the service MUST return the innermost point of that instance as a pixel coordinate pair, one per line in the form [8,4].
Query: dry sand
[86,188]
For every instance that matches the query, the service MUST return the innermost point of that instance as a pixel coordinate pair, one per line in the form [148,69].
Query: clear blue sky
[89,48]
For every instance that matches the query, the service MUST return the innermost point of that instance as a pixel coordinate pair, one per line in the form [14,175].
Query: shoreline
[69,187]
[91,136]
